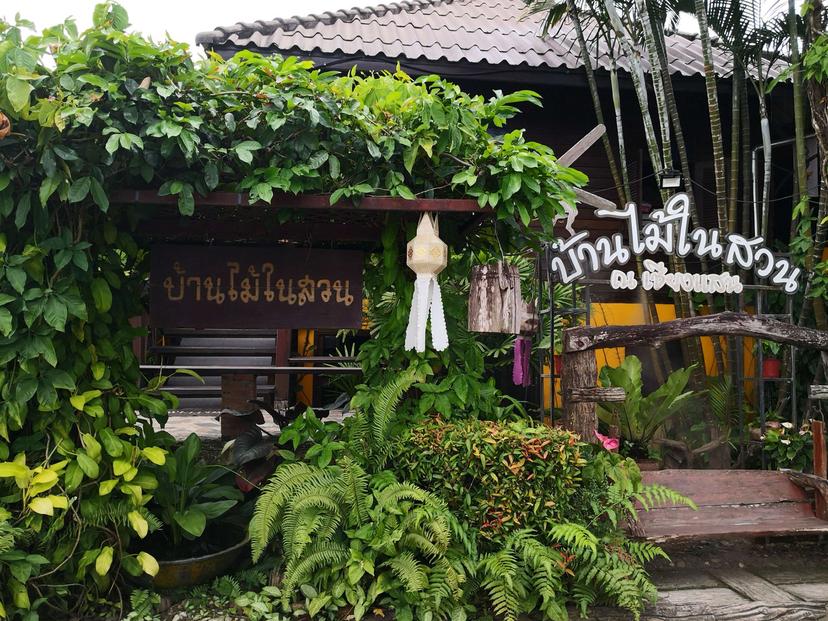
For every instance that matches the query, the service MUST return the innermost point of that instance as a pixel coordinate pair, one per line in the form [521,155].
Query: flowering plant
[787,447]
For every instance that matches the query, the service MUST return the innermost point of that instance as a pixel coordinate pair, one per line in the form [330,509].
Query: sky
[182,19]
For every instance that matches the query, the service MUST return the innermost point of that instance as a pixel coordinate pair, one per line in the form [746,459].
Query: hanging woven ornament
[427,255]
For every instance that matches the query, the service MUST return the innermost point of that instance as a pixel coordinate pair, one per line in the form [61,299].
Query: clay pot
[5,126]
[771,367]
[192,571]
[646,465]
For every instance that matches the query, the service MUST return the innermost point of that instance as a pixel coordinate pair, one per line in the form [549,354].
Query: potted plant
[198,540]
[638,418]
[771,363]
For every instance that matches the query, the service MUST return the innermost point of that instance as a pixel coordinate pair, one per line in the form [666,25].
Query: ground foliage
[545,511]
[104,109]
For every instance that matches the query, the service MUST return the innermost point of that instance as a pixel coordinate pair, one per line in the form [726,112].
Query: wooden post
[820,457]
[236,392]
[820,466]
[579,370]
[282,382]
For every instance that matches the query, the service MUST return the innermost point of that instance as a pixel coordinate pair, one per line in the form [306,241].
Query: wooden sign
[252,287]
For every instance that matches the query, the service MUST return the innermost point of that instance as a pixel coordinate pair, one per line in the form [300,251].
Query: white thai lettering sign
[668,232]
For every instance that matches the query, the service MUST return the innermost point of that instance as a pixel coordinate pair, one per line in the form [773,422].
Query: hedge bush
[499,477]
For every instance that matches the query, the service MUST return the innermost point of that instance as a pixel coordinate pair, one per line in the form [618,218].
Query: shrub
[547,510]
[498,477]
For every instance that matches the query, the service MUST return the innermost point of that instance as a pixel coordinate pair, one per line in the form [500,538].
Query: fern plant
[362,540]
[370,430]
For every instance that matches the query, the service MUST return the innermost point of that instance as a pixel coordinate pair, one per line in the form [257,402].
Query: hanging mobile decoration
[427,255]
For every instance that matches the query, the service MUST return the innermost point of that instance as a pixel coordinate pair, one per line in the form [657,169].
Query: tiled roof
[478,31]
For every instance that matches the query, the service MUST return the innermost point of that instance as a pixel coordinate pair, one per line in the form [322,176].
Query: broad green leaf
[55,313]
[79,189]
[155,455]
[42,505]
[120,466]
[58,502]
[18,92]
[139,523]
[211,176]
[148,563]
[13,469]
[105,487]
[101,295]
[113,143]
[17,278]
[192,521]
[6,322]
[104,561]
[88,465]
[99,195]
[214,509]
[98,370]
[92,446]
[111,443]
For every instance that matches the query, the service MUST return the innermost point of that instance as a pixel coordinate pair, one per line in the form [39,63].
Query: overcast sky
[182,19]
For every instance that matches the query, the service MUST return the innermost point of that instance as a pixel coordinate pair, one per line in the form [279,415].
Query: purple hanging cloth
[520,367]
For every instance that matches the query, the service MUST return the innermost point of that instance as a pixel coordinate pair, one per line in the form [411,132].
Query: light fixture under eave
[670,179]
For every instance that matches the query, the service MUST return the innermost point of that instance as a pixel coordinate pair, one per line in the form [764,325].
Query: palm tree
[714,114]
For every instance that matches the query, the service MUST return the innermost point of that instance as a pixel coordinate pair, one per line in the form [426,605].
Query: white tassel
[427,255]
[439,334]
[426,303]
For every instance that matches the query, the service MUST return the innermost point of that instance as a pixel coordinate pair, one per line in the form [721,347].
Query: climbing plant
[86,113]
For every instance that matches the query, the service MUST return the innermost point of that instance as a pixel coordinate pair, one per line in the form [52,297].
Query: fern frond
[409,571]
[653,495]
[384,410]
[271,504]
[576,537]
[644,551]
[354,485]
[318,555]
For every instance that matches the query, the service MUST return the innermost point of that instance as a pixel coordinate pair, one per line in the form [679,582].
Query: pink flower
[611,444]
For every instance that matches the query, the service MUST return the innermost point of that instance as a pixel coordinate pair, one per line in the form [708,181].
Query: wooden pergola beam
[584,338]
[579,372]
[308,201]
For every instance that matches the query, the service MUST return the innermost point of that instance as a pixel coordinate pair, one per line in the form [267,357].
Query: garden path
[739,580]
[204,424]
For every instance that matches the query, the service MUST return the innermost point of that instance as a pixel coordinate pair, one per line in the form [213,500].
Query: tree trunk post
[579,370]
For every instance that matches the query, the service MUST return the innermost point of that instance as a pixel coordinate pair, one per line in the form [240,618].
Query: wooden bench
[748,503]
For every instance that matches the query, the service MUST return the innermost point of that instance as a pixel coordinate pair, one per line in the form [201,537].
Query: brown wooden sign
[248,287]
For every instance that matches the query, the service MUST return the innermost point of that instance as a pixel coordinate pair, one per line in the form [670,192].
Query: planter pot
[771,367]
[648,464]
[556,359]
[198,570]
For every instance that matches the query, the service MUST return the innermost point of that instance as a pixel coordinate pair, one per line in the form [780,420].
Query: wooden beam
[816,483]
[595,394]
[584,338]
[229,229]
[818,392]
[580,147]
[752,586]
[593,200]
[306,201]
